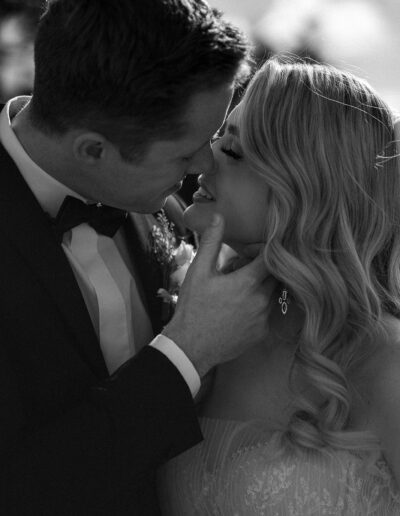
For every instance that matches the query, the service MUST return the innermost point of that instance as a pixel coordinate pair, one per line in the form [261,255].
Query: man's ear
[89,148]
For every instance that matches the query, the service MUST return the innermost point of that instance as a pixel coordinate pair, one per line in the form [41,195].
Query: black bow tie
[103,219]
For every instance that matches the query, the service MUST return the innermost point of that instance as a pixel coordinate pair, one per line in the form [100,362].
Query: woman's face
[232,189]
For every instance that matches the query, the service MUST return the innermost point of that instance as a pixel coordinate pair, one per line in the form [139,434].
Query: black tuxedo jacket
[72,440]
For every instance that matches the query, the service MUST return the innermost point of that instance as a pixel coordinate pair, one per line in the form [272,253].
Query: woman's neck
[256,384]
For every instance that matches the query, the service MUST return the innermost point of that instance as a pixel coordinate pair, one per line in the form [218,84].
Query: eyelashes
[228,151]
[232,154]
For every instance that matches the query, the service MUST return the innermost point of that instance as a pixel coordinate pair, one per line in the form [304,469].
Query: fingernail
[216,220]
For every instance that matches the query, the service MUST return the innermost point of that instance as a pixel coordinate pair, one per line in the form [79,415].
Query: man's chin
[149,207]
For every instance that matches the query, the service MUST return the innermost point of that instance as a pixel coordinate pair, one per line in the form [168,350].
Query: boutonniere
[174,259]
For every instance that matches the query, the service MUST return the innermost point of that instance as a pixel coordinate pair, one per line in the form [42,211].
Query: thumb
[210,244]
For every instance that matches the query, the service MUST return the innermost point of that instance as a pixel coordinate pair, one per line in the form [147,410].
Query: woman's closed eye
[231,153]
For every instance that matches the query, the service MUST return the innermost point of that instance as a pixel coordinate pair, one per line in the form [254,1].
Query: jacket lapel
[24,224]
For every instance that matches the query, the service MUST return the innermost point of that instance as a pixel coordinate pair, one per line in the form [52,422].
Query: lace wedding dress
[236,471]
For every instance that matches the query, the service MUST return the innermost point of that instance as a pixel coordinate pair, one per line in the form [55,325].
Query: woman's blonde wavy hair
[324,142]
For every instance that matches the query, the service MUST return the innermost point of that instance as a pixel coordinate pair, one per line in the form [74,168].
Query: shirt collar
[49,192]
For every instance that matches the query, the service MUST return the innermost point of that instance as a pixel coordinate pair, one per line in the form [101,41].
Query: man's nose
[203,162]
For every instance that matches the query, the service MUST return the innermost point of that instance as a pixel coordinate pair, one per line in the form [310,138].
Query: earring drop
[284,301]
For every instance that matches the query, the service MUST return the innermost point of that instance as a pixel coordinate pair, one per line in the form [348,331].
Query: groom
[93,398]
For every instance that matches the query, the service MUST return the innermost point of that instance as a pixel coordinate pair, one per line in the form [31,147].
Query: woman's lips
[203,194]
[198,197]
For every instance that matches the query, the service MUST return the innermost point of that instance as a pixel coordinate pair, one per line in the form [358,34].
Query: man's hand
[219,316]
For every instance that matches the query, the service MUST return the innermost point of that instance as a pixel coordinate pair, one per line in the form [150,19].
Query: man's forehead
[201,103]
[174,148]
[205,114]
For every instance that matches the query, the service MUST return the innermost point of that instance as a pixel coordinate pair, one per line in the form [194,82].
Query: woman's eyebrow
[233,129]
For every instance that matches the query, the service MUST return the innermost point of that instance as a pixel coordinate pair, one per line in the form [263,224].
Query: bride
[309,422]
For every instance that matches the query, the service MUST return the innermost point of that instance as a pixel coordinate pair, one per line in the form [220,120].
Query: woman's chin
[198,218]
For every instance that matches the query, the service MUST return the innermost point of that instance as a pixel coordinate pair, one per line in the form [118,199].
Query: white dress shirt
[102,268]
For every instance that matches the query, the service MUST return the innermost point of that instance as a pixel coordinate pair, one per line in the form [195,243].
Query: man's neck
[47,152]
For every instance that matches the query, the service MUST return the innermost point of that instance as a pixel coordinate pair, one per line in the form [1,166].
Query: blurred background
[362,36]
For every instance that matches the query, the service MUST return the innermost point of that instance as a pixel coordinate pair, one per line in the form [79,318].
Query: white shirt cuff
[180,361]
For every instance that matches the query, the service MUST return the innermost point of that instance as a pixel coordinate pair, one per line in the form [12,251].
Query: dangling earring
[284,301]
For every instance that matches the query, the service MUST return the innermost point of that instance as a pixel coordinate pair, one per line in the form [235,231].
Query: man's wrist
[180,360]
[190,347]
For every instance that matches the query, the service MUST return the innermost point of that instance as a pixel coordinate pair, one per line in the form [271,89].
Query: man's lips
[174,188]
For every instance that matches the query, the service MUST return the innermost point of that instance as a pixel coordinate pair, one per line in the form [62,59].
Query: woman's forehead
[233,117]
[233,121]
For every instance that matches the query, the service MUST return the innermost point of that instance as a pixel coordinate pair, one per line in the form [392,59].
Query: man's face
[144,187]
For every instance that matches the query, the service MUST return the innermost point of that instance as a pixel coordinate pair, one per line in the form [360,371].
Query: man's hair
[324,142]
[127,69]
